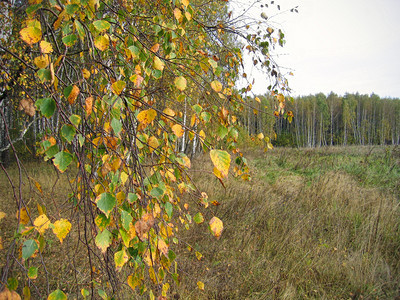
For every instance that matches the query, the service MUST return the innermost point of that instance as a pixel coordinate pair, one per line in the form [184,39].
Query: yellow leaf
[31,35]
[169,112]
[180,83]
[73,94]
[178,130]
[86,73]
[200,285]
[153,143]
[216,86]
[45,47]
[280,98]
[2,215]
[185,2]
[124,177]
[158,64]
[1,244]
[24,218]
[260,136]
[147,116]
[41,223]
[257,99]
[101,42]
[155,48]
[178,14]
[216,227]
[61,228]
[162,246]
[41,61]
[221,160]
[88,105]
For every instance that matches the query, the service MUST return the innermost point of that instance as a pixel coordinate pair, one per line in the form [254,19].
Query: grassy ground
[312,223]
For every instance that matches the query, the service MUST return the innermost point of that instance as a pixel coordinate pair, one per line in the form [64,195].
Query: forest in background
[320,120]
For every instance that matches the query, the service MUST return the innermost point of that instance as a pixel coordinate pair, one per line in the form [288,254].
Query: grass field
[312,223]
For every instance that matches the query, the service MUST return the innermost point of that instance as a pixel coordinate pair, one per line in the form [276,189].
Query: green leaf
[222,131]
[28,248]
[132,197]
[80,29]
[106,202]
[62,160]
[126,219]
[135,51]
[32,272]
[169,209]
[116,125]
[102,294]
[198,218]
[157,192]
[44,75]
[205,116]
[103,240]
[70,40]
[47,106]
[68,132]
[197,108]
[57,295]
[71,8]
[101,25]
[32,9]
[12,284]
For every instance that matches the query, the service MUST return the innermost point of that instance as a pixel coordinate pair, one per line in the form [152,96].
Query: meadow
[310,224]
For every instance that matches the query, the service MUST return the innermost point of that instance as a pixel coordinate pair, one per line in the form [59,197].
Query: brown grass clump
[325,238]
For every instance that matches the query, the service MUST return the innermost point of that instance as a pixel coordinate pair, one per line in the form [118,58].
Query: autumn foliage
[127,83]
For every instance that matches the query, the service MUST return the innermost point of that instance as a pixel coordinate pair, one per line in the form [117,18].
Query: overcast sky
[339,45]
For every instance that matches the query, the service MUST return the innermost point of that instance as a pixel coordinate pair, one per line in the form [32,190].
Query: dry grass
[321,224]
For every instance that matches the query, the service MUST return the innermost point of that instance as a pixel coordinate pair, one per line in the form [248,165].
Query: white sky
[338,45]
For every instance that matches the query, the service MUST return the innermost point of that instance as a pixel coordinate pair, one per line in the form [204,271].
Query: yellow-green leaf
[41,61]
[57,295]
[221,160]
[61,228]
[103,240]
[180,83]
[158,64]
[120,258]
[216,226]
[118,87]
[101,25]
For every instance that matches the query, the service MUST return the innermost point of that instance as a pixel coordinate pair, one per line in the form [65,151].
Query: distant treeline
[320,120]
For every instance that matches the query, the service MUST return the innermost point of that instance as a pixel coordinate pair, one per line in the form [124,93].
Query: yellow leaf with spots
[46,47]
[61,228]
[147,116]
[101,42]
[23,218]
[216,227]
[178,130]
[41,61]
[221,160]
[31,35]
[41,223]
